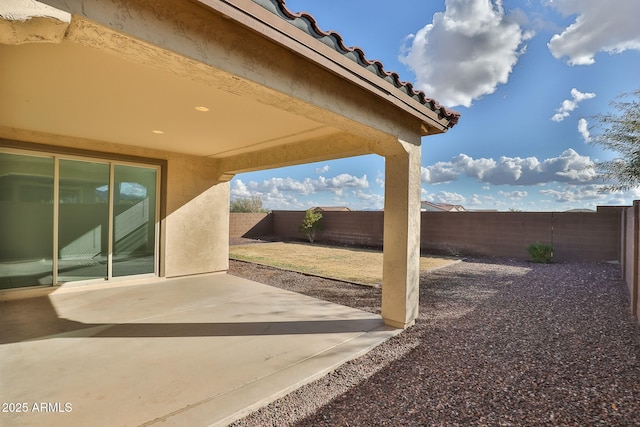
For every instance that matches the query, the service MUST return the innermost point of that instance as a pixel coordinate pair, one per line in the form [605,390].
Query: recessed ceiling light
[158,132]
[201,108]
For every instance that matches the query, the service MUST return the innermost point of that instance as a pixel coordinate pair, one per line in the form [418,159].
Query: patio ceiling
[80,91]
[263,82]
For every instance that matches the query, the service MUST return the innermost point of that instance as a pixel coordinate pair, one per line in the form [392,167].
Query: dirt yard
[497,343]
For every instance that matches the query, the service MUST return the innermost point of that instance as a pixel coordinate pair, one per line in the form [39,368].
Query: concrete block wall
[627,246]
[356,228]
[630,254]
[584,236]
[250,225]
[573,235]
[591,236]
[484,233]
[610,234]
[285,224]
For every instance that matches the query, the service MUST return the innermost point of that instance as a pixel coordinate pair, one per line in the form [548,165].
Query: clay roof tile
[308,24]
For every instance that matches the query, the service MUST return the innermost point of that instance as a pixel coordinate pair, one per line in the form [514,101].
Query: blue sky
[527,77]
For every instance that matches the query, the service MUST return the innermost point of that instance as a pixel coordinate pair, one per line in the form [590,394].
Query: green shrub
[540,252]
[311,224]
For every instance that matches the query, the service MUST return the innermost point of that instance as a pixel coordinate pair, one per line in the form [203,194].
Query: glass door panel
[26,220]
[134,220]
[83,224]
[61,220]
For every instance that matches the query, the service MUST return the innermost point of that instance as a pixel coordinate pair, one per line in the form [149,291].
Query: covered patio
[200,91]
[121,124]
[191,351]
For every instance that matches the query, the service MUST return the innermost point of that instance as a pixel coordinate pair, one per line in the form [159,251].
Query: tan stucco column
[401,265]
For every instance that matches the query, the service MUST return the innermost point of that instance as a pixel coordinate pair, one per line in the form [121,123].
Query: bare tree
[247,204]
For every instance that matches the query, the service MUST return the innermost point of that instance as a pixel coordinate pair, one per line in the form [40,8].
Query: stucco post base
[401,264]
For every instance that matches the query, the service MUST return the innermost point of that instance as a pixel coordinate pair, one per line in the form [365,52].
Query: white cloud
[475,200]
[600,26]
[369,200]
[594,195]
[284,201]
[583,128]
[616,201]
[466,52]
[445,197]
[269,192]
[339,182]
[284,184]
[283,193]
[623,197]
[568,105]
[438,173]
[513,195]
[569,167]
[575,194]
[505,170]
[239,189]
[633,193]
[323,169]
[474,168]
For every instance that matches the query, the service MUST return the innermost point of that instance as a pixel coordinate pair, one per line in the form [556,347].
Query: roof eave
[257,18]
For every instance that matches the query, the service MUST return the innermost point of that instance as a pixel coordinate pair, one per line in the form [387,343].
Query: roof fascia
[260,20]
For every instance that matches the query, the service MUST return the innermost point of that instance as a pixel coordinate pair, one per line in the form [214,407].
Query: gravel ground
[497,343]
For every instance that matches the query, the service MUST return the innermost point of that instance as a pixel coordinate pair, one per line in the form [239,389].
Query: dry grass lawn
[349,264]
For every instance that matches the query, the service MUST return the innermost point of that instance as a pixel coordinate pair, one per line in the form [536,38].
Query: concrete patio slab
[198,351]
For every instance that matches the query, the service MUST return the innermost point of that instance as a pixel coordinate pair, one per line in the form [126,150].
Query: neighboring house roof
[441,207]
[308,24]
[331,209]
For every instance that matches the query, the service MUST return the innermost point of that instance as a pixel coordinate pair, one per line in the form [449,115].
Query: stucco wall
[197,221]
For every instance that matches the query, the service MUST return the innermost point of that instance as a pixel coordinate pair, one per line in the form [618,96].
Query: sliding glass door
[26,220]
[83,220]
[134,210]
[66,219]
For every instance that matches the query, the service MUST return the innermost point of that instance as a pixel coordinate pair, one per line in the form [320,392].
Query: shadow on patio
[190,351]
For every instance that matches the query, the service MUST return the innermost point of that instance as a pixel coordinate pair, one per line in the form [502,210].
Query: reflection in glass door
[134,212]
[66,219]
[83,224]
[26,220]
